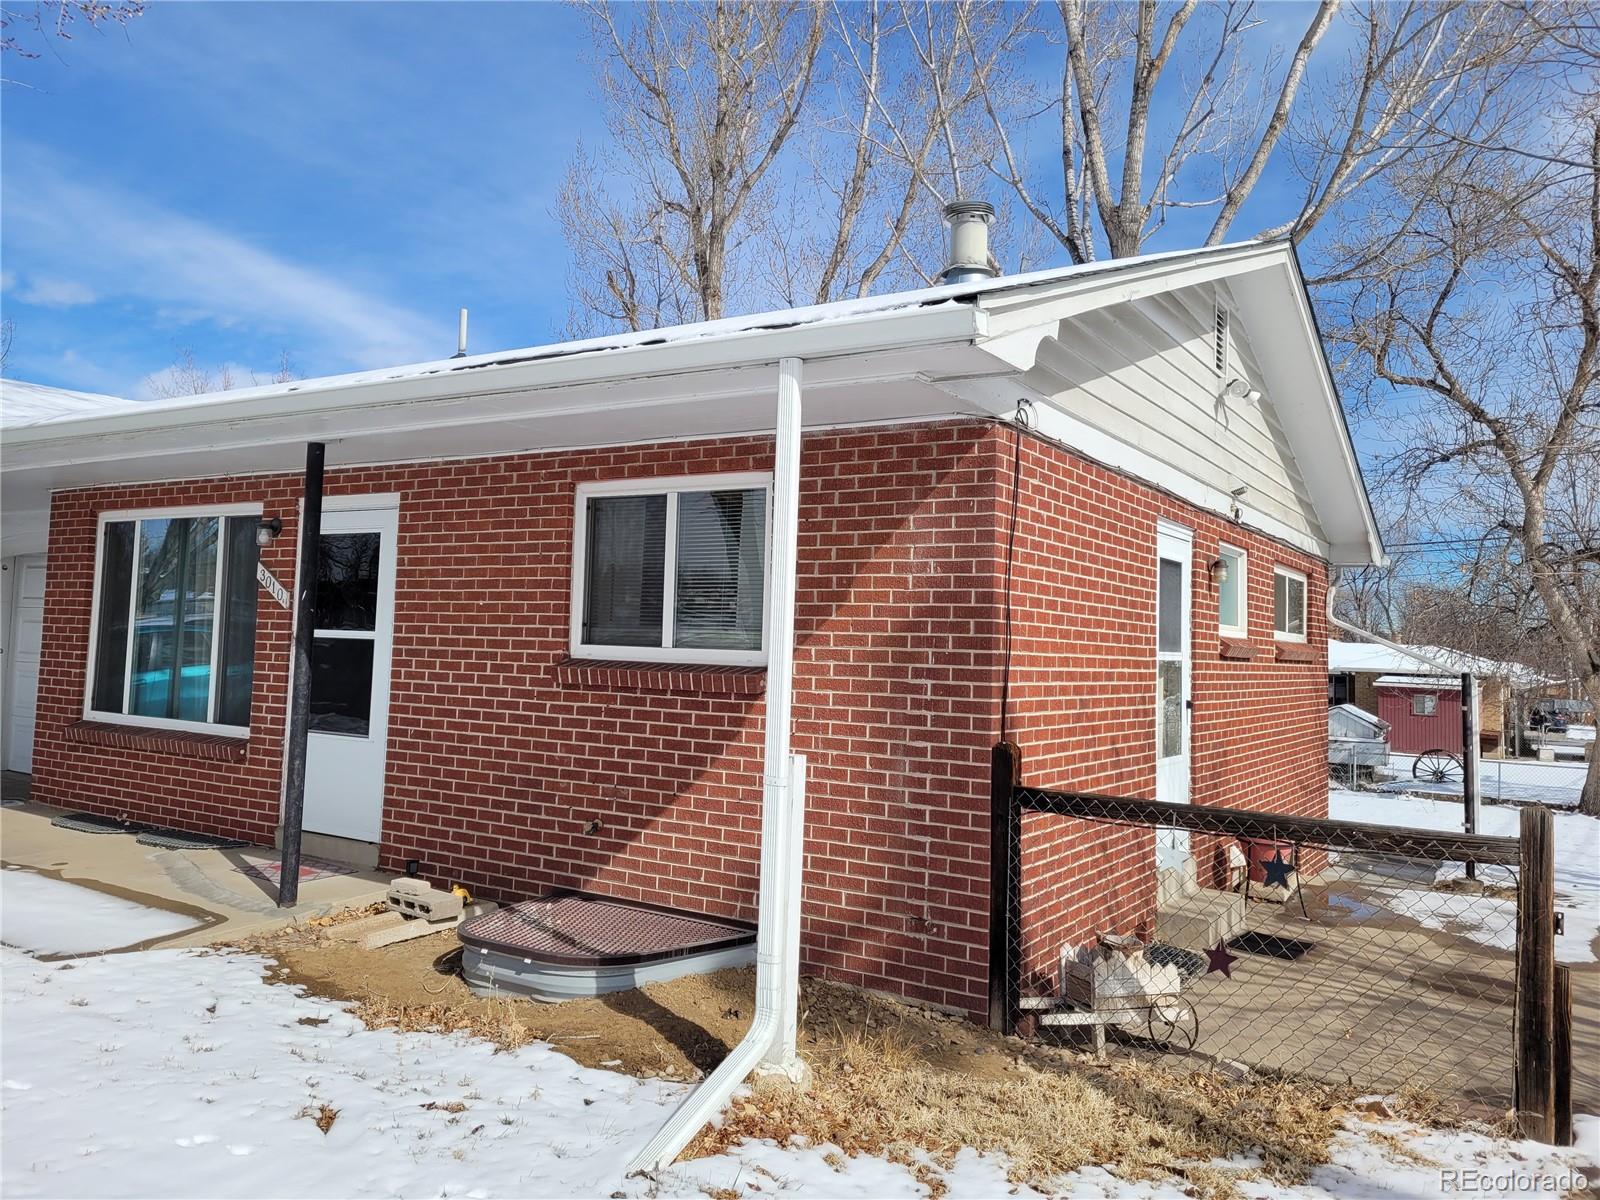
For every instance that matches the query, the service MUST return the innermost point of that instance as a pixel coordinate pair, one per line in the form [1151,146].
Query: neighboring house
[541,634]
[23,533]
[1419,694]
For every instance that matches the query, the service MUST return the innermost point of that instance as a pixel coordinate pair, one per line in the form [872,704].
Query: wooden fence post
[1536,978]
[1003,817]
[1561,1048]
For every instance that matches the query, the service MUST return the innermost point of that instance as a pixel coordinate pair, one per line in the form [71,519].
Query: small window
[672,571]
[1288,604]
[1424,704]
[1233,592]
[175,620]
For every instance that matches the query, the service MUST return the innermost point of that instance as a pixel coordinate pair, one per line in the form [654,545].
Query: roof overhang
[954,350]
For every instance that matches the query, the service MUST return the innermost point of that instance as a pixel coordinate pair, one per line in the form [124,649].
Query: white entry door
[25,636]
[351,649]
[1174,553]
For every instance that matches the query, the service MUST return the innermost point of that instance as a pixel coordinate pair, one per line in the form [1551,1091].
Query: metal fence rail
[1284,943]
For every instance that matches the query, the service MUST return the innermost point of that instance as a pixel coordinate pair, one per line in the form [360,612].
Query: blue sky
[330,180]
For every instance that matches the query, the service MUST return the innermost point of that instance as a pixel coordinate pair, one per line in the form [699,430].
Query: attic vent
[1219,343]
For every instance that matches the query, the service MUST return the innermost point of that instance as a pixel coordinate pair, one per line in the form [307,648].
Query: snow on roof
[938,296]
[23,404]
[1441,682]
[1425,660]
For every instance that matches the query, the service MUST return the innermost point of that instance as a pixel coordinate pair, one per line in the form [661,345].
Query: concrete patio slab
[232,893]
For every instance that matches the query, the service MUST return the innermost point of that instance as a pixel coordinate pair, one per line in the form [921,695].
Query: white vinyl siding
[1145,373]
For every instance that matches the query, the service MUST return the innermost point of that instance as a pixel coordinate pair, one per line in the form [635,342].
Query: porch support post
[305,621]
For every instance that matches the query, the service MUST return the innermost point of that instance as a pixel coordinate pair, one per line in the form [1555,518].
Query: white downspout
[1368,635]
[780,875]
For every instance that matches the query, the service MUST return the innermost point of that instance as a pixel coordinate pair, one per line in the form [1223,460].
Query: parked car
[1546,721]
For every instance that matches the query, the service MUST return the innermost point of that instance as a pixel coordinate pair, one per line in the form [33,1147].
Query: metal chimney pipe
[461,337]
[969,222]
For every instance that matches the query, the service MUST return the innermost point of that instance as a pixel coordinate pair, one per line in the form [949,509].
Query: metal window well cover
[88,822]
[178,839]
[568,945]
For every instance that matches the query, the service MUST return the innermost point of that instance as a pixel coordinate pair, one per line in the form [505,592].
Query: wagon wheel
[1437,766]
[1174,1024]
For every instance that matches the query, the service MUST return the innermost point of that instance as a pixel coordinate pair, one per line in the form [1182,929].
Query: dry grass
[890,1079]
[872,1093]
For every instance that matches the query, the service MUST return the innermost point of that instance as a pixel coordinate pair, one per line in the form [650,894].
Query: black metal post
[305,621]
[1469,759]
[1003,820]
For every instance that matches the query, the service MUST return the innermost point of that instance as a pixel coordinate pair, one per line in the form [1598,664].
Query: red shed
[1423,711]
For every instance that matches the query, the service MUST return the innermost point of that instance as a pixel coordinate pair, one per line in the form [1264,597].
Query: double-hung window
[672,570]
[174,619]
[1288,605]
[1233,592]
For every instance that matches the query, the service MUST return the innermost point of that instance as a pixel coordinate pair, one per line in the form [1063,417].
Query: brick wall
[500,759]
[1083,690]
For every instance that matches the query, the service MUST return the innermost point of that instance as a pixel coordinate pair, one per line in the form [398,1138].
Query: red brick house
[540,639]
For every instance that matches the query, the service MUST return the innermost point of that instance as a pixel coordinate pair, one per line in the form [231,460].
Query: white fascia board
[384,402]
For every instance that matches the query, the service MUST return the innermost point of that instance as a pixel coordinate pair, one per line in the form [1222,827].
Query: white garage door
[26,585]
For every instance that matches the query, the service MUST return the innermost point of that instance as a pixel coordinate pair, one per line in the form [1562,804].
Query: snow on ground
[185,1073]
[49,916]
[1558,784]
[1485,919]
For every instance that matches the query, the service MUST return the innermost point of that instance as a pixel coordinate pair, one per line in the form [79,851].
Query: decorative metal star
[1277,870]
[1221,960]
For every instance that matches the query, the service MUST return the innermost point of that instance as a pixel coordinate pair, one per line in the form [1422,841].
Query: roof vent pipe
[461,337]
[969,222]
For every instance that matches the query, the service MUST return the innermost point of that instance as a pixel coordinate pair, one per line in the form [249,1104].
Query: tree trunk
[1589,801]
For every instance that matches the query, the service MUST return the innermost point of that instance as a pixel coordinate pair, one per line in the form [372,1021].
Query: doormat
[86,822]
[1189,964]
[178,839]
[310,868]
[1268,946]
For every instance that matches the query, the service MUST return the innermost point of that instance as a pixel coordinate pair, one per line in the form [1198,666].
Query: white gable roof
[1369,657]
[926,354]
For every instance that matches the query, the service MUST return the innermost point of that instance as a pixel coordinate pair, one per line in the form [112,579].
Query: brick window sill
[661,677]
[1296,652]
[176,742]
[1237,650]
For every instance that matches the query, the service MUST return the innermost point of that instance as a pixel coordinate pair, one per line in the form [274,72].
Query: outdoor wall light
[1238,389]
[1219,572]
[268,529]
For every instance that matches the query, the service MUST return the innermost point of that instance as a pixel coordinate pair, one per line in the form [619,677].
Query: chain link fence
[1349,953]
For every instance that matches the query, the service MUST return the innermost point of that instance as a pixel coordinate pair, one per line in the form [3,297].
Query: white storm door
[22,659]
[1174,553]
[351,651]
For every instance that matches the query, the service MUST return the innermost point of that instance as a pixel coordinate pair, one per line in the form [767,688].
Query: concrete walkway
[230,893]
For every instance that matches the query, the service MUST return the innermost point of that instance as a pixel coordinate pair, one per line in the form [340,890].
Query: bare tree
[8,332]
[29,27]
[700,101]
[1481,326]
[188,377]
[1168,108]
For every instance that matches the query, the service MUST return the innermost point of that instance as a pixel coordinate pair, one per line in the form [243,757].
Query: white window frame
[1433,704]
[1243,628]
[1305,603]
[671,487]
[90,713]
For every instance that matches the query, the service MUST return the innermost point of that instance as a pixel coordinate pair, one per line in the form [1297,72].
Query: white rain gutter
[782,822]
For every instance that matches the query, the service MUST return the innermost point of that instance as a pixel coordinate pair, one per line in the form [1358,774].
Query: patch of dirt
[890,1078]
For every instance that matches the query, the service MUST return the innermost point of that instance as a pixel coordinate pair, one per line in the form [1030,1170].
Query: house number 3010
[274,589]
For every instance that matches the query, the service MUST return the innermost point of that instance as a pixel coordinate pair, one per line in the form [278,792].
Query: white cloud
[126,247]
[55,293]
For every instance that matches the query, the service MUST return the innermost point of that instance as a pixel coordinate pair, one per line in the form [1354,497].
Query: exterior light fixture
[267,530]
[1238,389]
[1219,572]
